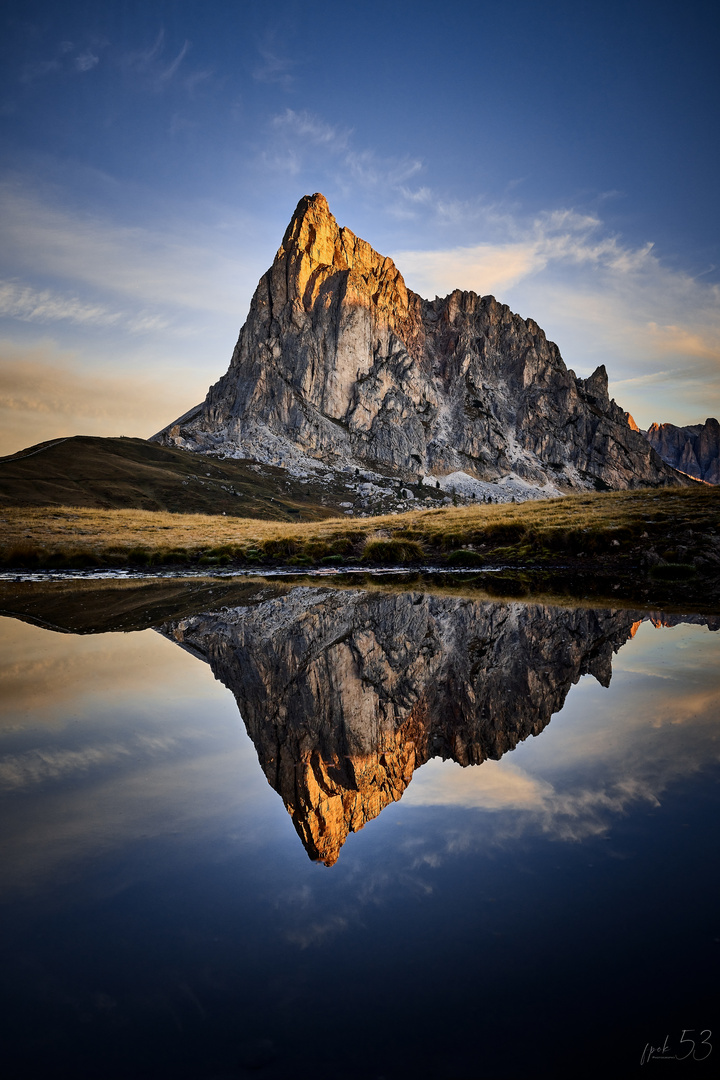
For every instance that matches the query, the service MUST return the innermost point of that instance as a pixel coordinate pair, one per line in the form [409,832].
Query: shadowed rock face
[694,449]
[345,694]
[339,361]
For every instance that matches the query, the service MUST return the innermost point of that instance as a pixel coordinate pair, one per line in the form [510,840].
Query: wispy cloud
[173,66]
[274,65]
[529,803]
[86,61]
[484,268]
[297,137]
[147,265]
[560,236]
[304,125]
[602,300]
[314,932]
[19,771]
[371,170]
[31,305]
[155,66]
[68,57]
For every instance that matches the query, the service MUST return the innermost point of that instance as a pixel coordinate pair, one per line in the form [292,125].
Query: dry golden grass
[29,535]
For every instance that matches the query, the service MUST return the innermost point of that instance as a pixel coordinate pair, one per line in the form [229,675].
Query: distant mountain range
[340,365]
[694,450]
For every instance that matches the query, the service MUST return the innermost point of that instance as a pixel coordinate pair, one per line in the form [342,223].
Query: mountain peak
[694,449]
[315,249]
[340,363]
[312,215]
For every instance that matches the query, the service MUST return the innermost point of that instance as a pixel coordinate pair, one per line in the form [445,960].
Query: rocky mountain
[338,362]
[694,450]
[345,694]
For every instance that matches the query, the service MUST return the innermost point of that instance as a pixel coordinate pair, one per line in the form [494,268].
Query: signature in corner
[666,1051]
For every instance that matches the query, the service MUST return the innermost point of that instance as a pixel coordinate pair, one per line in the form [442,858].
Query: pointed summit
[314,248]
[312,230]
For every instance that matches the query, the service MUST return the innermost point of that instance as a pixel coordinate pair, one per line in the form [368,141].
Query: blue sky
[562,156]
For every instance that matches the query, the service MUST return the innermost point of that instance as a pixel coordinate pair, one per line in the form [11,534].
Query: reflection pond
[307,834]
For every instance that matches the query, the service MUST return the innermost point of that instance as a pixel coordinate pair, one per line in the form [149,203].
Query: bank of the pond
[665,539]
[98,602]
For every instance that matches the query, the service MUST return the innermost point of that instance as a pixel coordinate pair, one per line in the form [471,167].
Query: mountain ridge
[693,448]
[340,364]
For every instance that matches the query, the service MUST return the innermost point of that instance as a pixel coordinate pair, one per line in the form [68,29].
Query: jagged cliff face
[694,449]
[345,694]
[339,361]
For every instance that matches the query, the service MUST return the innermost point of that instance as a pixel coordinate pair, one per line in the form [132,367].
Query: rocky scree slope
[340,362]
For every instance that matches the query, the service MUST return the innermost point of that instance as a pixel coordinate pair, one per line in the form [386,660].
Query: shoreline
[656,542]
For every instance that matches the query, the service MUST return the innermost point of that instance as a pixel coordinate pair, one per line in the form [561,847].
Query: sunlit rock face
[694,449]
[339,361]
[345,694]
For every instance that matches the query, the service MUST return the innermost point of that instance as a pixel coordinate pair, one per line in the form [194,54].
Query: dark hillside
[120,473]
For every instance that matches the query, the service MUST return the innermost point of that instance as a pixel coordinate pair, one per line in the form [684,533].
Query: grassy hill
[121,473]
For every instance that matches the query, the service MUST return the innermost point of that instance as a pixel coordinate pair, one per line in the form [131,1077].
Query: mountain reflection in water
[346,694]
[548,913]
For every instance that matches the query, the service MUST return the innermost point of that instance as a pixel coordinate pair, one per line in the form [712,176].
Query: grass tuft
[672,571]
[388,552]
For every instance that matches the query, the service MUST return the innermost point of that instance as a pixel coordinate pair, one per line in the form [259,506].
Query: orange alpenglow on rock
[340,363]
[346,694]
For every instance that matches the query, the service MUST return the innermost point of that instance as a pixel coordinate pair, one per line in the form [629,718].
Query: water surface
[343,834]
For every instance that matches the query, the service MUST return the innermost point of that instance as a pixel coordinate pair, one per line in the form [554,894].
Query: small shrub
[22,555]
[555,539]
[387,552]
[333,560]
[341,545]
[223,550]
[139,556]
[222,554]
[315,549]
[79,560]
[463,557]
[176,555]
[673,571]
[502,532]
[282,547]
[253,555]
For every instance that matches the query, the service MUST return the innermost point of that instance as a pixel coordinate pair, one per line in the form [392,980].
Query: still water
[362,835]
